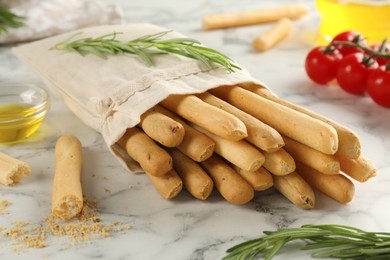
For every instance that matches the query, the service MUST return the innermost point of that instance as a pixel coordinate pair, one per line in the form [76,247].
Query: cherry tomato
[378,86]
[321,64]
[349,36]
[352,73]
[385,50]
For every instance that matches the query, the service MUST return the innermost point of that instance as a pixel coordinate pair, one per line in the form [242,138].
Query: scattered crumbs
[107,190]
[93,175]
[86,227]
[3,207]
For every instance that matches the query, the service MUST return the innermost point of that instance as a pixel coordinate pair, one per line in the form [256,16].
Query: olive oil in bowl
[22,110]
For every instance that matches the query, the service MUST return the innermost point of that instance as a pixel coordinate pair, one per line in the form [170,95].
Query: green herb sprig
[327,241]
[9,20]
[147,46]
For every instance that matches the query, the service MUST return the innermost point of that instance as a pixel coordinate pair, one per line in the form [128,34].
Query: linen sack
[111,94]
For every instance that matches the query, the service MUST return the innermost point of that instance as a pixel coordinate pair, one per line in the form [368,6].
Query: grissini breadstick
[279,162]
[259,134]
[12,170]
[338,187]
[141,148]
[273,35]
[239,153]
[231,185]
[195,179]
[195,144]
[295,189]
[212,119]
[169,185]
[324,163]
[360,169]
[67,195]
[296,125]
[162,128]
[260,179]
[349,142]
[219,21]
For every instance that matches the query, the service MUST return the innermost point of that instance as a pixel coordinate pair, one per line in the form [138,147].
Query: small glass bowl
[22,110]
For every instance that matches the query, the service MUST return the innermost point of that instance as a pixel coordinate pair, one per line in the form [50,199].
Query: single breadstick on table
[67,195]
[360,169]
[296,125]
[12,170]
[265,15]
[169,185]
[338,187]
[259,134]
[239,153]
[162,128]
[140,147]
[349,142]
[273,35]
[295,189]
[195,144]
[212,119]
[324,163]
[231,185]
[260,180]
[195,179]
[279,162]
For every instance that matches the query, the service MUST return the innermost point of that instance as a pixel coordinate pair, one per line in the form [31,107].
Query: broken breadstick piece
[169,185]
[12,170]
[67,195]
[295,189]
[273,35]
[212,119]
[141,148]
[265,15]
[162,128]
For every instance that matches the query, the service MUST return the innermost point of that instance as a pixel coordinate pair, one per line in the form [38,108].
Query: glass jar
[369,17]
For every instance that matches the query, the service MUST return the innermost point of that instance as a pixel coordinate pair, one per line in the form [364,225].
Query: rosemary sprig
[9,19]
[327,241]
[147,46]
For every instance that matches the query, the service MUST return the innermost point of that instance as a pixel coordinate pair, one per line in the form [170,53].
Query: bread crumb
[3,207]
[86,227]
[107,190]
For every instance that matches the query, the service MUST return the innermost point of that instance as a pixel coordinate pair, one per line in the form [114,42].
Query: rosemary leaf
[147,46]
[9,20]
[331,240]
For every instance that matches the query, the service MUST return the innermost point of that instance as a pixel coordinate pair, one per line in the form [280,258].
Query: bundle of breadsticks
[190,127]
[242,139]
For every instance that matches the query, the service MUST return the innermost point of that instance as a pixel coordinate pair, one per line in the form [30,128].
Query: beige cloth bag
[110,95]
[44,18]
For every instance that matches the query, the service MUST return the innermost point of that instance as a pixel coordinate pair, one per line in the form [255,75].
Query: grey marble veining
[185,228]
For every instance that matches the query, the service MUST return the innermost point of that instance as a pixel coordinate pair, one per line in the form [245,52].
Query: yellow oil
[18,121]
[372,20]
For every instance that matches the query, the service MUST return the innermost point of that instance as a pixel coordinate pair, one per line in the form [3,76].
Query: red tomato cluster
[357,67]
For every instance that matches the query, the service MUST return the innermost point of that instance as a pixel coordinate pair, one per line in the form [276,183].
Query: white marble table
[185,228]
